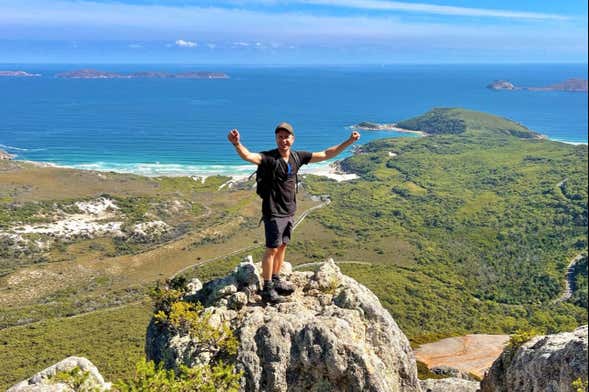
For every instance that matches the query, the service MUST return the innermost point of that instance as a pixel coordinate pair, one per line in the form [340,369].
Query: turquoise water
[168,126]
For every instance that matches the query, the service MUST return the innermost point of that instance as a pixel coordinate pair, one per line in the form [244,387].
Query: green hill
[456,120]
[468,232]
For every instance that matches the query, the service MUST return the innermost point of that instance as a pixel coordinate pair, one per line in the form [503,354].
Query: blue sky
[292,31]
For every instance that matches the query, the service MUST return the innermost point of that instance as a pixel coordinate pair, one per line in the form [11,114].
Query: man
[279,203]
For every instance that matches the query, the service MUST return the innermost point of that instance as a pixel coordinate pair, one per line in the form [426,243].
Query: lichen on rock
[551,363]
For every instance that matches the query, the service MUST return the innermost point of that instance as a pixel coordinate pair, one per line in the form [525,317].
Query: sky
[283,32]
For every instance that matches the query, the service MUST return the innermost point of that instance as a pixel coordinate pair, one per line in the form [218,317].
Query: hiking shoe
[283,287]
[270,295]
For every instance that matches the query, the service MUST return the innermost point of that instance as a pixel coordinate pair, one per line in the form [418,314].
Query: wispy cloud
[381,5]
[390,26]
[186,44]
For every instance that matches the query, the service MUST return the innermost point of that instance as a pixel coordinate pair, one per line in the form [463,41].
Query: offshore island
[572,85]
[18,74]
[96,74]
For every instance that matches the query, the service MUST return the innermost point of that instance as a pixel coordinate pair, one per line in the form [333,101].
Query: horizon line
[298,64]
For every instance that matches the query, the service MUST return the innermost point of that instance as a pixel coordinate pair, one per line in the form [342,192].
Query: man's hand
[354,137]
[233,136]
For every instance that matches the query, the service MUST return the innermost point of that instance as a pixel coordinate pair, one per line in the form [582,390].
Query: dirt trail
[470,353]
[570,278]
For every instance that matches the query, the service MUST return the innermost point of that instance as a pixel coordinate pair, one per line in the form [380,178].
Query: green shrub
[580,385]
[193,319]
[517,340]
[151,378]
[423,372]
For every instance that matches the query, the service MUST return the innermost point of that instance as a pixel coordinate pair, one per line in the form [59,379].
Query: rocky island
[96,74]
[574,85]
[18,74]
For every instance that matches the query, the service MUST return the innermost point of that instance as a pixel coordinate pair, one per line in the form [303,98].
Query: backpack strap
[295,158]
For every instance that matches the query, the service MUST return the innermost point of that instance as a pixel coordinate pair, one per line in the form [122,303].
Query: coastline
[388,127]
[395,128]
[237,173]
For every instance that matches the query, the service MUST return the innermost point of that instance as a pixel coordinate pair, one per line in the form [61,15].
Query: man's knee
[272,251]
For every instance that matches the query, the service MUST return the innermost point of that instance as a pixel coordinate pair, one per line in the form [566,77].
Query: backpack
[265,177]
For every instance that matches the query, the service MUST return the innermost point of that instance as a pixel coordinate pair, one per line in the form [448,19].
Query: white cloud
[186,44]
[211,45]
[135,46]
[244,44]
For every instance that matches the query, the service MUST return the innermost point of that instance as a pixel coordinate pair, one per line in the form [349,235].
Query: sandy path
[469,353]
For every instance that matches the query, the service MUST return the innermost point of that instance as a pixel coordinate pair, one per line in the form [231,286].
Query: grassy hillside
[491,219]
[456,120]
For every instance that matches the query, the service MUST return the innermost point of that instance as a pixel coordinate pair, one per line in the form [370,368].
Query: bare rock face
[451,384]
[549,363]
[48,380]
[332,335]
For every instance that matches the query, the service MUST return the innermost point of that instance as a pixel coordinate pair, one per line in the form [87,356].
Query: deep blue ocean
[168,126]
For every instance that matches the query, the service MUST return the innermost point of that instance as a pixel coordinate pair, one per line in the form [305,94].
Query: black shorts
[278,231]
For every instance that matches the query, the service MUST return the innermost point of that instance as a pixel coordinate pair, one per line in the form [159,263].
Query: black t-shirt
[282,200]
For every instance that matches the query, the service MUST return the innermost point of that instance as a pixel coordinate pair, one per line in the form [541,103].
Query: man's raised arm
[335,150]
[243,152]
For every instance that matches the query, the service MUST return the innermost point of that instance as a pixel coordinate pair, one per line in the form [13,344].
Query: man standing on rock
[279,200]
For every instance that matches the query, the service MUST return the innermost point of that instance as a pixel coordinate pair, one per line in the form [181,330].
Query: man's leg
[278,259]
[280,285]
[285,229]
[268,262]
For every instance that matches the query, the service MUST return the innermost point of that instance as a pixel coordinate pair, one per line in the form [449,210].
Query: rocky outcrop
[549,363]
[332,335]
[71,374]
[449,385]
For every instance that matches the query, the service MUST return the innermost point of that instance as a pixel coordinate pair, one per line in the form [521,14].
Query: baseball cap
[284,126]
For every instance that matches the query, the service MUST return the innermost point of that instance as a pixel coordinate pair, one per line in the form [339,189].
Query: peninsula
[18,74]
[573,85]
[96,74]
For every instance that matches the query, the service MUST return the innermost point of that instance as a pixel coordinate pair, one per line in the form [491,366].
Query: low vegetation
[151,378]
[217,342]
[490,220]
